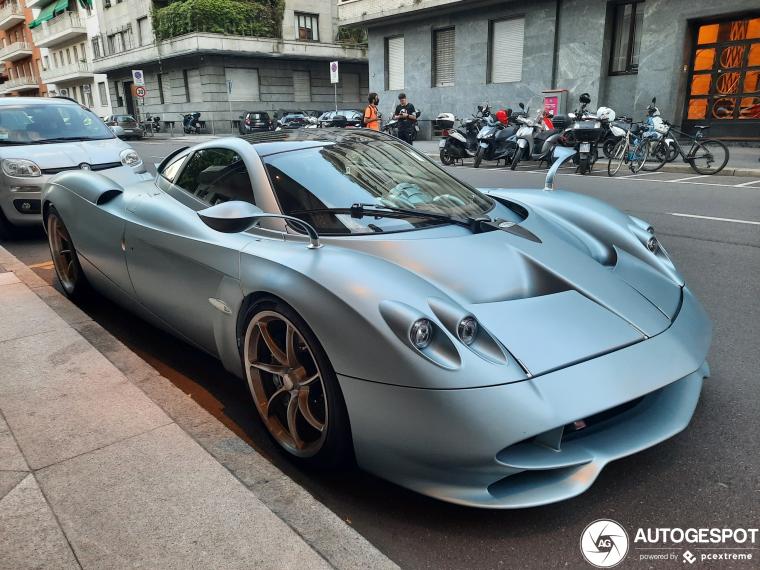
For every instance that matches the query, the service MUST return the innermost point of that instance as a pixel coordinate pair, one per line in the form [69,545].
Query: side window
[216,175]
[170,170]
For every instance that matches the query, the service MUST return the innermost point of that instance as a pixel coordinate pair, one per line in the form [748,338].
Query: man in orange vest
[371,116]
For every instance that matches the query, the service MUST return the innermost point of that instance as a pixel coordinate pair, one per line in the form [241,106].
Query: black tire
[7,230]
[609,147]
[710,157]
[617,158]
[672,153]
[67,266]
[584,165]
[446,157]
[478,157]
[658,156]
[336,451]
[516,158]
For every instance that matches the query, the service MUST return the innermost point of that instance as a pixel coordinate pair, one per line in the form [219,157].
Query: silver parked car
[125,126]
[40,137]
[492,348]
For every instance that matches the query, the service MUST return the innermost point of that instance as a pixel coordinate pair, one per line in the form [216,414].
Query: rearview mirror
[654,100]
[522,106]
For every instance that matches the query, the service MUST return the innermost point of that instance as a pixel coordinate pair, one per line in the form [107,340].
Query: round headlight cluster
[21,168]
[653,245]
[130,158]
[467,330]
[421,333]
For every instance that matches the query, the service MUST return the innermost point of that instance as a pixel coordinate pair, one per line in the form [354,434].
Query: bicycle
[631,149]
[702,157]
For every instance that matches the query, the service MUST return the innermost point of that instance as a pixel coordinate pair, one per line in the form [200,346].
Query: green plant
[262,18]
[352,35]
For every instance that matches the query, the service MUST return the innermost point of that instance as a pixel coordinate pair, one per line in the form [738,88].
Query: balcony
[373,11]
[75,71]
[10,15]
[16,51]
[62,29]
[19,84]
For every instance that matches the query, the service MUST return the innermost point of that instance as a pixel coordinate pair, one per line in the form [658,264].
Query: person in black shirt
[406,118]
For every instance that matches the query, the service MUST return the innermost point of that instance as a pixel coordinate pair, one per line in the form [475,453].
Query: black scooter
[190,123]
[463,142]
[497,141]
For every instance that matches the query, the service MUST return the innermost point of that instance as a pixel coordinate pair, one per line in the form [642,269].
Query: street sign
[138,78]
[333,72]
[140,91]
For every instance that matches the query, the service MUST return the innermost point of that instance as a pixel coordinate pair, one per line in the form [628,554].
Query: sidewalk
[106,464]
[742,160]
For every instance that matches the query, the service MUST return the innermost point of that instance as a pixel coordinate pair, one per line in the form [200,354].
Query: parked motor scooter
[496,140]
[458,144]
[535,140]
[152,123]
[586,133]
[190,123]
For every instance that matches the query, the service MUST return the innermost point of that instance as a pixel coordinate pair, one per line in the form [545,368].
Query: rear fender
[94,188]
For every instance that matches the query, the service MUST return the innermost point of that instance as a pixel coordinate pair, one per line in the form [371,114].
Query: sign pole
[334,81]
[229,100]
[336,96]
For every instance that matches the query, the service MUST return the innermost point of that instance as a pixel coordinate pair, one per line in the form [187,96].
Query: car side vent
[107,196]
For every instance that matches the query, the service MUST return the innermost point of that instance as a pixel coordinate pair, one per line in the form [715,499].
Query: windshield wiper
[7,142]
[380,210]
[69,139]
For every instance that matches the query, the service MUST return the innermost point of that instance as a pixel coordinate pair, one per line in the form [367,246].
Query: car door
[183,271]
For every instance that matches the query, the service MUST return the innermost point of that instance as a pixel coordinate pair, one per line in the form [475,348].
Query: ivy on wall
[260,18]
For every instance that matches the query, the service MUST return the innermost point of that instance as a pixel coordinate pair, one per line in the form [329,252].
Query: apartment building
[19,57]
[61,28]
[450,55]
[225,73]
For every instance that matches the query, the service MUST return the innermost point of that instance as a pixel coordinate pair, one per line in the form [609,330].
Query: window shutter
[507,41]
[194,85]
[444,57]
[395,63]
[350,87]
[301,86]
[245,83]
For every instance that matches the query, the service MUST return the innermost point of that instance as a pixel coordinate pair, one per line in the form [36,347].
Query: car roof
[36,101]
[281,141]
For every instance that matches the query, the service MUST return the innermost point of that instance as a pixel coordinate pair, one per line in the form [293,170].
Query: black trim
[93,167]
[629,67]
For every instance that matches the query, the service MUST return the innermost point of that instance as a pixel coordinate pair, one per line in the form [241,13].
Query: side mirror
[561,155]
[522,106]
[237,216]
[654,100]
[480,108]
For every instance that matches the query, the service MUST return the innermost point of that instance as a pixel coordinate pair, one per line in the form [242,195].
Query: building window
[47,62]
[307,27]
[505,53]
[102,94]
[187,85]
[443,57]
[143,31]
[160,88]
[96,47]
[394,63]
[626,37]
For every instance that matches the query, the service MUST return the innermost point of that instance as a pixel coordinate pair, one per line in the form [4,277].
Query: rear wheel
[709,157]
[294,387]
[584,165]
[65,258]
[639,156]
[617,158]
[658,156]
[609,147]
[516,158]
[478,157]
[446,157]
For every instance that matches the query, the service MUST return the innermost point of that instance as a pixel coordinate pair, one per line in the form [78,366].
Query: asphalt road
[707,476]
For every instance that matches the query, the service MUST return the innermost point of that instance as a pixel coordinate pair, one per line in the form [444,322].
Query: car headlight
[130,158]
[467,330]
[421,333]
[20,168]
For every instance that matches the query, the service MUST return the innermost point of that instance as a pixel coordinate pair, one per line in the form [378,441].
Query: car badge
[85,166]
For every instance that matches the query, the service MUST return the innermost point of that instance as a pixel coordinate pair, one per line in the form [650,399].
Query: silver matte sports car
[494,348]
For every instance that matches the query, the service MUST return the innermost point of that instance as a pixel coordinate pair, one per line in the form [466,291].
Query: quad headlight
[130,158]
[467,330]
[421,333]
[20,168]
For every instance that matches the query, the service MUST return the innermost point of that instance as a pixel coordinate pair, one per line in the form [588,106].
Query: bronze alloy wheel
[286,383]
[64,255]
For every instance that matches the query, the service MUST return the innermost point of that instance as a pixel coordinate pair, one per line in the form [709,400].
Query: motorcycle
[152,123]
[586,133]
[460,143]
[496,140]
[535,140]
[190,123]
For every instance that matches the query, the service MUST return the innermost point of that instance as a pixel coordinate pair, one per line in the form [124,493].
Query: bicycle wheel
[709,156]
[640,155]
[617,157]
[658,156]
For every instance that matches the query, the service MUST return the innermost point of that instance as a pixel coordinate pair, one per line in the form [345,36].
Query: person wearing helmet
[405,115]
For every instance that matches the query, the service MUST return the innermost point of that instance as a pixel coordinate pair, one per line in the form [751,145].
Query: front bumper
[503,446]
[20,197]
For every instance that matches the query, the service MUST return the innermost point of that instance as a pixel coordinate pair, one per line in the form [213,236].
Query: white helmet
[605,114]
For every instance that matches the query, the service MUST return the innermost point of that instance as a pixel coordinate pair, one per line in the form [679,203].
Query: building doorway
[724,78]
[129,99]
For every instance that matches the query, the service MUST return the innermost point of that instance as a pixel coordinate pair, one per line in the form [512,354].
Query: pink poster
[551,103]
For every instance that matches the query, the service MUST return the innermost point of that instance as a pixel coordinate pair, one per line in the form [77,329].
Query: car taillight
[445,132]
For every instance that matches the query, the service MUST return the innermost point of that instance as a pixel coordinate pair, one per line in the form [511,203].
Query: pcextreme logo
[604,543]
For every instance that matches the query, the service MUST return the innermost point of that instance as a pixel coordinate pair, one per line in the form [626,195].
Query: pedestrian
[406,117]
[371,116]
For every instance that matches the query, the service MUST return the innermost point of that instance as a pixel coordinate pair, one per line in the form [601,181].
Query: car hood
[548,300]
[71,153]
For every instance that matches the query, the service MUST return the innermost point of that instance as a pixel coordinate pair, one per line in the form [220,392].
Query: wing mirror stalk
[562,155]
[237,216]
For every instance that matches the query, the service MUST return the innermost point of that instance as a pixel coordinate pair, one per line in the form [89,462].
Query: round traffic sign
[140,91]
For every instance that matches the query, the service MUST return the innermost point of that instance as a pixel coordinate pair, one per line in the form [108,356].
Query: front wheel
[584,165]
[617,158]
[609,147]
[658,156]
[446,157]
[639,156]
[709,157]
[294,387]
[516,158]
[478,157]
[65,258]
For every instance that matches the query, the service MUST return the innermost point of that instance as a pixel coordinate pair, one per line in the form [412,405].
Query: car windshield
[125,118]
[50,122]
[357,170]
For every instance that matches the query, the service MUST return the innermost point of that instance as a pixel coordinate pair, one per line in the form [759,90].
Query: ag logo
[604,543]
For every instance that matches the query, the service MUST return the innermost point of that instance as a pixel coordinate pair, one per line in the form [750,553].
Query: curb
[339,544]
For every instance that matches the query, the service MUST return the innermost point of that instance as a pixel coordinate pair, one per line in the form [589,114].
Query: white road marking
[690,178]
[743,184]
[732,220]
